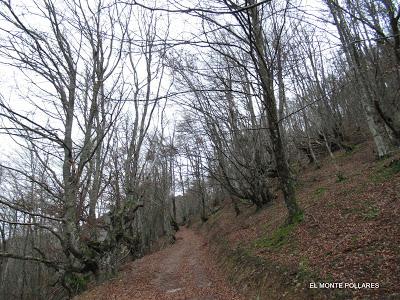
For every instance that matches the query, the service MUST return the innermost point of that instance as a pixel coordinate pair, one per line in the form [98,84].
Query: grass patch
[319,192]
[386,172]
[304,272]
[346,211]
[340,177]
[298,184]
[350,150]
[77,282]
[354,238]
[213,218]
[371,214]
[280,236]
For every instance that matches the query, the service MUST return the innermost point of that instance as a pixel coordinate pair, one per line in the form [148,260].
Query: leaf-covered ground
[184,270]
[350,231]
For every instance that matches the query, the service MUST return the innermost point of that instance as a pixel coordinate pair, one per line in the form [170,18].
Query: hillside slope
[350,233]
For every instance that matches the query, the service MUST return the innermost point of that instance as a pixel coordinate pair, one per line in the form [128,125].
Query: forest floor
[184,270]
[350,233]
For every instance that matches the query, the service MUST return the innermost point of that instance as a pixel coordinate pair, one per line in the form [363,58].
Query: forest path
[184,270]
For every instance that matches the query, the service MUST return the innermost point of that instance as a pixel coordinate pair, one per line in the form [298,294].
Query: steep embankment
[350,233]
[183,270]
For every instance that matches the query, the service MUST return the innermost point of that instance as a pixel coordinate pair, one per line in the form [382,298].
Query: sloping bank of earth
[350,233]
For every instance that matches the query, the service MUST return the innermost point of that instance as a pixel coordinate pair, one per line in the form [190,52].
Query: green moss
[371,213]
[354,238]
[77,282]
[350,150]
[319,192]
[280,236]
[304,272]
[385,172]
[298,218]
[298,184]
[394,167]
[213,218]
[340,177]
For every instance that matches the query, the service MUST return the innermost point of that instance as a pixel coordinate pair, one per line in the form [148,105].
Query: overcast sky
[15,86]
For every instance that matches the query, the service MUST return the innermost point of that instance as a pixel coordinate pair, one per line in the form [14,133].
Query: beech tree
[381,109]
[124,127]
[74,59]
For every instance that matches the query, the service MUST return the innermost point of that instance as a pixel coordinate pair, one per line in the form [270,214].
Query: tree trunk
[269,102]
[374,121]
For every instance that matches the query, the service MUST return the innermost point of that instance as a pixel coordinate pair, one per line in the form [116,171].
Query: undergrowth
[304,272]
[386,172]
[280,236]
[320,191]
[371,214]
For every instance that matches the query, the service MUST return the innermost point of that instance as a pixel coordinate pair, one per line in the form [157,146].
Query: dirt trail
[184,270]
